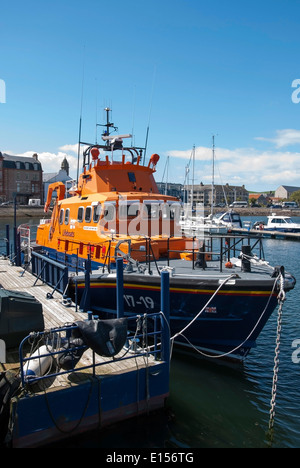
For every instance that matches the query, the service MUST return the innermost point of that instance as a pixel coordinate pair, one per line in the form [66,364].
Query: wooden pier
[291,236]
[101,392]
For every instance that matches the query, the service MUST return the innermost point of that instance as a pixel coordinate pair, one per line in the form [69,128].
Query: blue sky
[189,69]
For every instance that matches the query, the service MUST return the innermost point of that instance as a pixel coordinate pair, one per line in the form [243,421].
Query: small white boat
[230,219]
[198,225]
[279,223]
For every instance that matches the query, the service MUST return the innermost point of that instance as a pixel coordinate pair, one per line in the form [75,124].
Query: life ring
[261,227]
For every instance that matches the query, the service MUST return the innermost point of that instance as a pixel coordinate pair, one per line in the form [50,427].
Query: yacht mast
[193,178]
[213,175]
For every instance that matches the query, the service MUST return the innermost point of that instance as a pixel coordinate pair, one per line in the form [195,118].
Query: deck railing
[219,248]
[147,336]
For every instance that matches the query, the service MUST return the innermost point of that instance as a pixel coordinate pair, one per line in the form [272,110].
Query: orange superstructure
[113,209]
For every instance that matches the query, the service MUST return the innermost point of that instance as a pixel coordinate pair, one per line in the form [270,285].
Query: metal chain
[281,299]
[275,369]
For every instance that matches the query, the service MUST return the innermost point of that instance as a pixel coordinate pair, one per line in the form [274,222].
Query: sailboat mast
[213,175]
[193,178]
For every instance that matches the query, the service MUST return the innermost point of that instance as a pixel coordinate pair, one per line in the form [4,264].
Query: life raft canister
[39,363]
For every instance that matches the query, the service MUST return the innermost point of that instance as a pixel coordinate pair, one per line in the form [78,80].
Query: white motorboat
[197,226]
[279,223]
[230,219]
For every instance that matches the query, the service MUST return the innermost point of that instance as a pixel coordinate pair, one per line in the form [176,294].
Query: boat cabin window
[276,221]
[80,214]
[88,214]
[171,211]
[61,216]
[129,209]
[152,209]
[109,211]
[96,213]
[67,216]
[131,177]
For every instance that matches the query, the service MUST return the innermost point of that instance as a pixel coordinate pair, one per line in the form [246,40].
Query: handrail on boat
[217,248]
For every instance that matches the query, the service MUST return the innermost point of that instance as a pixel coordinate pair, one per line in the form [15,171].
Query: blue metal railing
[158,330]
[53,273]
[156,333]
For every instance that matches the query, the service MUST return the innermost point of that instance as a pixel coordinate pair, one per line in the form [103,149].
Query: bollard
[165,308]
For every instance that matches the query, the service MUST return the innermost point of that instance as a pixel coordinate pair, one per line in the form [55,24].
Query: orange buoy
[95,153]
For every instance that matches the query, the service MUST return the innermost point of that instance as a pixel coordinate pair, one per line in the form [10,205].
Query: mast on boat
[213,176]
[111,142]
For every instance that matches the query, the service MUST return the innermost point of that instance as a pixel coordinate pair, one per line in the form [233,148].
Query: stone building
[61,176]
[20,178]
[285,191]
[172,189]
[203,194]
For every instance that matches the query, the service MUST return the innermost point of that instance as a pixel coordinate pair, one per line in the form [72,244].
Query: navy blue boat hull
[228,325]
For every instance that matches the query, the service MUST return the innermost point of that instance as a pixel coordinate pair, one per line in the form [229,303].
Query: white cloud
[257,170]
[51,162]
[69,148]
[261,170]
[285,137]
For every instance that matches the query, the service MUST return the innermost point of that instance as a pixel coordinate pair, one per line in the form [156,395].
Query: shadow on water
[210,406]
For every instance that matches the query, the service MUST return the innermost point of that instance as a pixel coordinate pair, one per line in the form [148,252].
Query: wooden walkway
[292,236]
[56,315]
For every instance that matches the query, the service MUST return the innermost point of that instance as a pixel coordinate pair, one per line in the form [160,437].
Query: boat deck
[183,269]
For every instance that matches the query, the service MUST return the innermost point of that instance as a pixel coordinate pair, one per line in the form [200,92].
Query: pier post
[165,308]
[246,254]
[120,288]
[7,241]
[85,300]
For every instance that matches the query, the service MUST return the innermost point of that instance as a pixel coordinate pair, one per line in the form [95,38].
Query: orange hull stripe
[180,290]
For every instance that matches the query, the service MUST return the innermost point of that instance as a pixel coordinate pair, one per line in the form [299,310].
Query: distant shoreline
[260,211]
[23,212]
[38,212]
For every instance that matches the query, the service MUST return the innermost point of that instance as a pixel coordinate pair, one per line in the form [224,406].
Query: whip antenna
[151,100]
[80,119]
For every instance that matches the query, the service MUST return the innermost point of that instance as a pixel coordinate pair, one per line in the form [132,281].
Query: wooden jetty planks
[57,315]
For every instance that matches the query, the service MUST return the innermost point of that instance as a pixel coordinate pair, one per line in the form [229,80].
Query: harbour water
[213,405]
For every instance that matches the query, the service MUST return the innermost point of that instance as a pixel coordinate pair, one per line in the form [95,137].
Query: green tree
[295,197]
